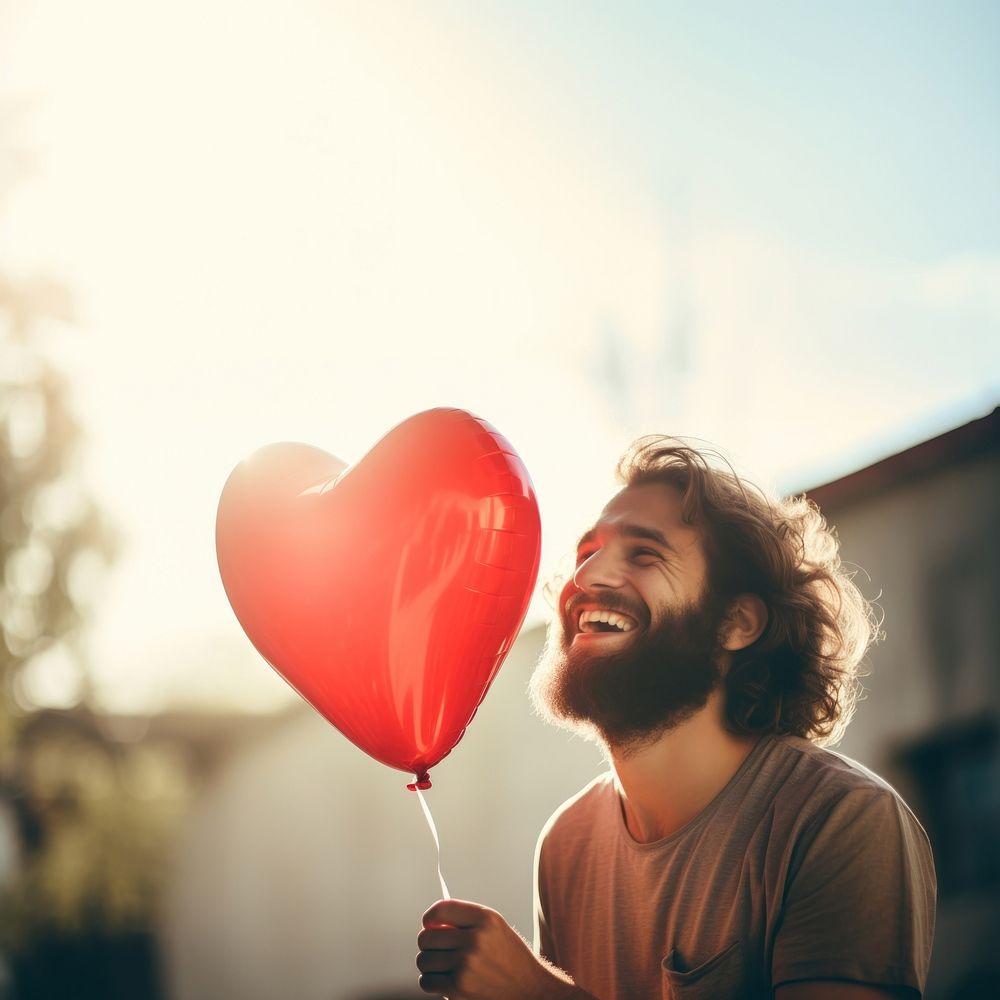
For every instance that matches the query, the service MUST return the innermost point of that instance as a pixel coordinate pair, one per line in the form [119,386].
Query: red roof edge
[979,437]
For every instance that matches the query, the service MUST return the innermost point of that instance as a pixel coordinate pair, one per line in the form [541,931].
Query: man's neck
[666,784]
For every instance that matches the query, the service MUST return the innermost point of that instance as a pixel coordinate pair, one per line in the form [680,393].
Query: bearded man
[710,640]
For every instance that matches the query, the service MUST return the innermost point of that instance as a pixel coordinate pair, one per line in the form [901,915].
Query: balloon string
[445,894]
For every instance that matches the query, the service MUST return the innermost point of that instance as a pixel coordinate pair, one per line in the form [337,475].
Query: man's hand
[469,952]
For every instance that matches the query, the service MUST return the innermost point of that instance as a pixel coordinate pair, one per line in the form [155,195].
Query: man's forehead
[655,506]
[658,502]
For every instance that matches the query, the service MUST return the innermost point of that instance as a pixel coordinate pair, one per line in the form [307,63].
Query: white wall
[931,547]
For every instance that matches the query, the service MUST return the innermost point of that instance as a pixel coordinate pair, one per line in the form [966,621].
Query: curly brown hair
[801,675]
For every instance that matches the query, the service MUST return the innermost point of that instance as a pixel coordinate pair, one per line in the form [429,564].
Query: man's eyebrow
[651,534]
[632,531]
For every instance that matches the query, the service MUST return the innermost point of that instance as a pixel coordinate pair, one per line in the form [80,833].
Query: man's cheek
[565,620]
[567,625]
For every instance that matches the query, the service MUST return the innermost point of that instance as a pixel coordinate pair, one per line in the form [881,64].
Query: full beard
[628,697]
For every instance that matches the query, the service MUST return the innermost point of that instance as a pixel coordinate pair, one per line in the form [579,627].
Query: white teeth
[608,617]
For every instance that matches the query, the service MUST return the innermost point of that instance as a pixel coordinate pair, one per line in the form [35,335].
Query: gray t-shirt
[805,866]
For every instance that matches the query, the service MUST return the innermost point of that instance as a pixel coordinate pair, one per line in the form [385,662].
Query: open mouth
[602,622]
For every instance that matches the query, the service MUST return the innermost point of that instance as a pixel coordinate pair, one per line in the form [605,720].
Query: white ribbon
[445,894]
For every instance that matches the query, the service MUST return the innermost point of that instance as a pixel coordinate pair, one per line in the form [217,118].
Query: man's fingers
[456,912]
[439,983]
[442,938]
[439,961]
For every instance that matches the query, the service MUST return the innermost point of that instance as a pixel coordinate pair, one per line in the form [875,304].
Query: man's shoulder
[816,783]
[579,813]
[857,881]
[803,766]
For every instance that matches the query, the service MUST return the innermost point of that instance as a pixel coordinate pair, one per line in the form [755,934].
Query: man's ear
[746,619]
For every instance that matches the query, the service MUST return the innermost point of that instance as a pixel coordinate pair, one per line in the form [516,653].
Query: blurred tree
[92,830]
[52,535]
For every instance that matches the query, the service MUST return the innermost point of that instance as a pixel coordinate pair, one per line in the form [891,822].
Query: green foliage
[105,815]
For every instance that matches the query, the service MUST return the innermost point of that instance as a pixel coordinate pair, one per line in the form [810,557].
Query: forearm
[564,988]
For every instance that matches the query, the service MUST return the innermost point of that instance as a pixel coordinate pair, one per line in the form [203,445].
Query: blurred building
[304,866]
[925,526]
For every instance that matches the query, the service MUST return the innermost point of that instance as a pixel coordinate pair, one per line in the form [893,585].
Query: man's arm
[859,911]
[469,952]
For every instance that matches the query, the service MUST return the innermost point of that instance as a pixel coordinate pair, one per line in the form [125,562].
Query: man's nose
[599,569]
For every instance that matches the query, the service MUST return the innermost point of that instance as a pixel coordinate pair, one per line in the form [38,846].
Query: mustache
[612,602]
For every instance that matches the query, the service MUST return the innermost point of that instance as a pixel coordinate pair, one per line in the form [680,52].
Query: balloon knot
[423,782]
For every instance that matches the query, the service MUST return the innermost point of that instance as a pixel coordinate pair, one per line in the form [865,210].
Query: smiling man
[709,640]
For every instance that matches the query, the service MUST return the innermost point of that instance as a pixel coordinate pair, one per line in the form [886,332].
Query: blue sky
[868,128]
[771,226]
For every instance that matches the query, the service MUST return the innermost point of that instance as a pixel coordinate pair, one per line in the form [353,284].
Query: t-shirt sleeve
[543,943]
[860,905]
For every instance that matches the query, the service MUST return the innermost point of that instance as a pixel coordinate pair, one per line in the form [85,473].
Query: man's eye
[583,555]
[645,553]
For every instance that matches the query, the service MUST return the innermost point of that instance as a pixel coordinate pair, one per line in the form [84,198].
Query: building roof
[971,440]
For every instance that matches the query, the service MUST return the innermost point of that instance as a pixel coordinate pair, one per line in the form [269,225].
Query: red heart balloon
[387,593]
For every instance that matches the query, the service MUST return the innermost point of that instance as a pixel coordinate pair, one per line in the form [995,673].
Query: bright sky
[773,227]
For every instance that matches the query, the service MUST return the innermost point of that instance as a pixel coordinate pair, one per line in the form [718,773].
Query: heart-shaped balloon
[387,593]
